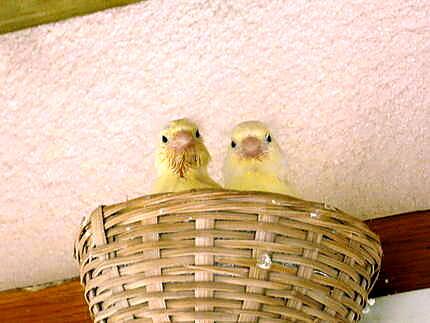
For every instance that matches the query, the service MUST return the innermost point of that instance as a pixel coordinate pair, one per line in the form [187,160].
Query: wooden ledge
[20,14]
[61,303]
[405,242]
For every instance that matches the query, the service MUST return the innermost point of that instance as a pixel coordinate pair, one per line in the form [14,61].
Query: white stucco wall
[411,307]
[344,84]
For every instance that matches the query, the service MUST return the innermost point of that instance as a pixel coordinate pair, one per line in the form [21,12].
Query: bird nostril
[182,140]
[251,146]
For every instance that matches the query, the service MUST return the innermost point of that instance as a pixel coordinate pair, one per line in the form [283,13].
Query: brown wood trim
[406,244]
[406,263]
[15,15]
[61,303]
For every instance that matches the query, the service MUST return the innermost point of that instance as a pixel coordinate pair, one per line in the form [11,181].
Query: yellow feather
[265,172]
[181,171]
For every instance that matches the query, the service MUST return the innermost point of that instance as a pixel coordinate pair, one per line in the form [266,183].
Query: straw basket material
[225,256]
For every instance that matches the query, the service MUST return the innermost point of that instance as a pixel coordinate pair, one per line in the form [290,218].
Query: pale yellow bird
[182,159]
[255,161]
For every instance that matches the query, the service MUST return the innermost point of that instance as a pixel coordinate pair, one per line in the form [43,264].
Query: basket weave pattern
[225,256]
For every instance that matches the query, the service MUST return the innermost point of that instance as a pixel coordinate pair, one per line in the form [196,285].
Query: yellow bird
[182,159]
[255,161]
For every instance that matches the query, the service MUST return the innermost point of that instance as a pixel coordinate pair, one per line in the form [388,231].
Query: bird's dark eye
[164,139]
[197,133]
[233,144]
[268,138]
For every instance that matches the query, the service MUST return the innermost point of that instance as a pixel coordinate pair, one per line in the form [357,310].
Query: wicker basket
[225,256]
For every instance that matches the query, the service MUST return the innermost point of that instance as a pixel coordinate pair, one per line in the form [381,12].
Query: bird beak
[182,141]
[251,147]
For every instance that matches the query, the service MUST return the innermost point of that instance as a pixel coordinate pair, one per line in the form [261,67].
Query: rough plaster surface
[412,307]
[345,85]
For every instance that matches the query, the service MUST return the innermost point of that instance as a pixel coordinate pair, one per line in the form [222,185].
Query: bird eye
[164,139]
[268,138]
[233,144]
[197,133]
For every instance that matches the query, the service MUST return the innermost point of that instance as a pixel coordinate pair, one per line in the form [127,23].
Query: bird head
[252,140]
[252,147]
[181,148]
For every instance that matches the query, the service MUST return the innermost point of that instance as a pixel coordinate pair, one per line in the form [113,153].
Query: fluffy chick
[182,159]
[255,161]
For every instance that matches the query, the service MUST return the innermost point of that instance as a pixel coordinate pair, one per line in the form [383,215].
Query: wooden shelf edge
[17,15]
[63,302]
[405,242]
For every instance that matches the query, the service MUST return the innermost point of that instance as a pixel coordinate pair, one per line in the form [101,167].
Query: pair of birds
[254,160]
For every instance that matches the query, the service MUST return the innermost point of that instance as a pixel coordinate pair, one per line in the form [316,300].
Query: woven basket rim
[203,215]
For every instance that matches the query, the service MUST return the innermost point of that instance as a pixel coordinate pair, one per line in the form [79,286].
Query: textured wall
[412,307]
[345,85]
